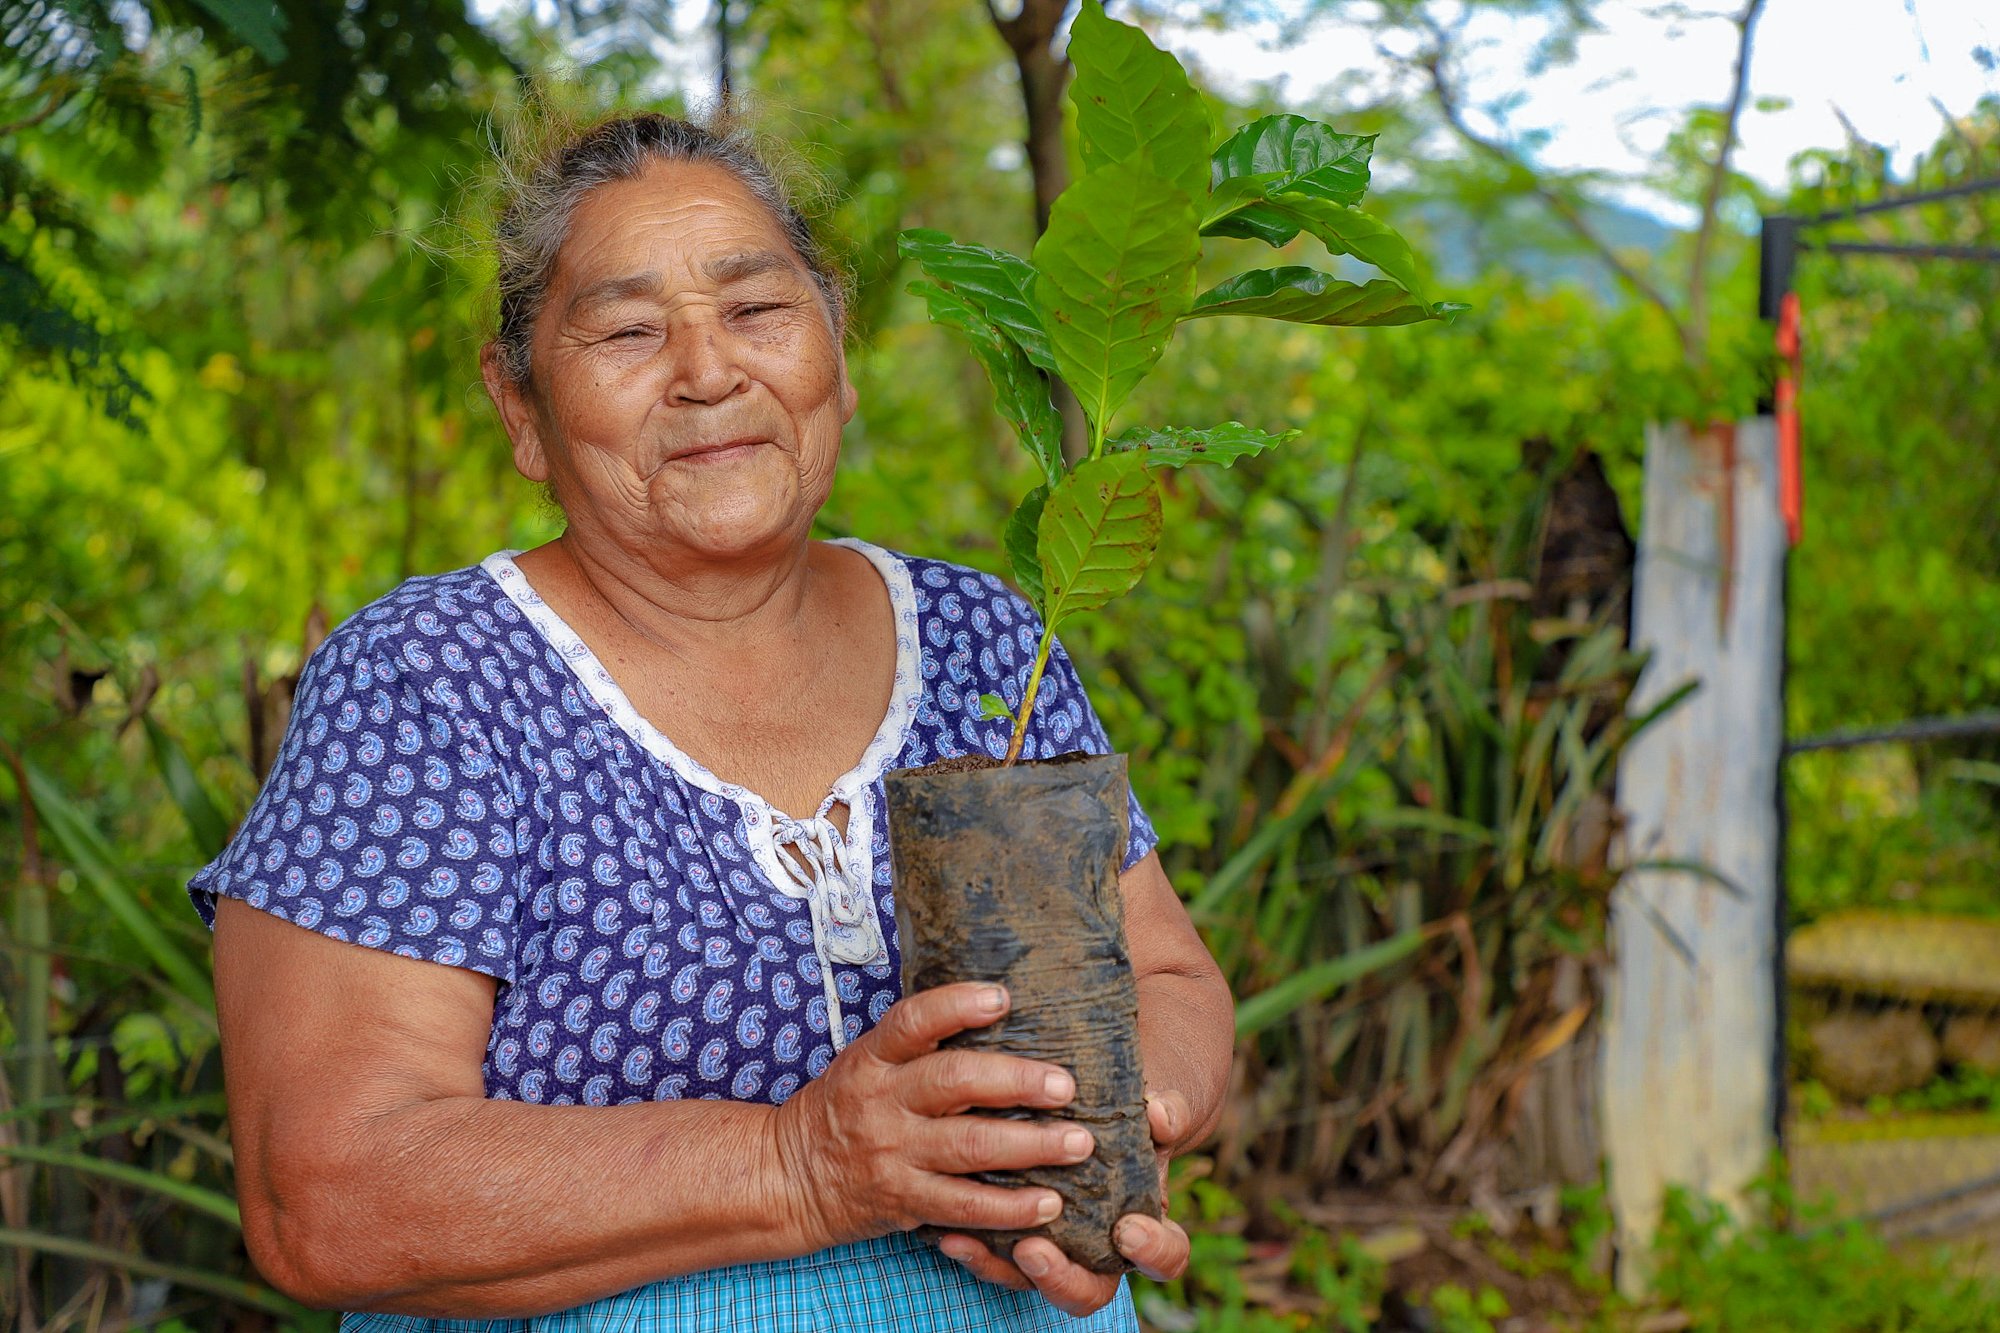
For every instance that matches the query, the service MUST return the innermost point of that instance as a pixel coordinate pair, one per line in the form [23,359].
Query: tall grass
[1431,833]
[117,1210]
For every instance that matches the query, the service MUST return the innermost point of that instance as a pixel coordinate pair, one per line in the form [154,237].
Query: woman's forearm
[1187,1026]
[1187,1020]
[473,1208]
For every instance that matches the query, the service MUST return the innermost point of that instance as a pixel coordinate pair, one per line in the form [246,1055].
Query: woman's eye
[632,333]
[754,309]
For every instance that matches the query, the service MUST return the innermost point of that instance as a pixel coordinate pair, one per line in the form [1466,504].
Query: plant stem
[28,1004]
[32,930]
[1028,699]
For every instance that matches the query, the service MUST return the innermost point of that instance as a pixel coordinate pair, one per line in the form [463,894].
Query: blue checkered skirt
[894,1282]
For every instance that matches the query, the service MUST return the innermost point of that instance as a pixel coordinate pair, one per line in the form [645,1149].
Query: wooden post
[1691,1040]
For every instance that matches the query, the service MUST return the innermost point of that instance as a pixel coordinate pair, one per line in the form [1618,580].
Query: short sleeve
[1064,721]
[385,821]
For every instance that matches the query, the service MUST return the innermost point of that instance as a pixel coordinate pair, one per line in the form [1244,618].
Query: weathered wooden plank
[1896,1168]
[1927,959]
[1690,1021]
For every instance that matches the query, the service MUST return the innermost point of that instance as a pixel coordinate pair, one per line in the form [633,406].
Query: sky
[1879,62]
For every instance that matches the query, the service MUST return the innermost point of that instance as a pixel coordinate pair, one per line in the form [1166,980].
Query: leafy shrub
[1817,1276]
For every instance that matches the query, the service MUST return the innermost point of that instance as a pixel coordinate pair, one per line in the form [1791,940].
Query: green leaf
[992,706]
[1019,391]
[1282,154]
[1177,446]
[192,1196]
[1023,542]
[1426,820]
[205,823]
[1116,271]
[1253,220]
[1308,296]
[1236,195]
[1973,770]
[255,23]
[1097,534]
[95,863]
[1315,983]
[1134,103]
[1349,231]
[1304,156]
[191,89]
[998,285]
[1272,835]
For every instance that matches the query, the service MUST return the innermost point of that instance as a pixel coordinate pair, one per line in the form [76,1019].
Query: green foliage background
[241,400]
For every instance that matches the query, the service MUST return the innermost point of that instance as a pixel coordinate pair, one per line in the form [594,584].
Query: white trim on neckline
[848,935]
[887,742]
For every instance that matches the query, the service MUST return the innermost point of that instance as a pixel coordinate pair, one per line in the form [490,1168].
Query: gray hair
[543,183]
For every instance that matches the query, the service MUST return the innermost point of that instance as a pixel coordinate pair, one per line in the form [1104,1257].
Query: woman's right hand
[880,1142]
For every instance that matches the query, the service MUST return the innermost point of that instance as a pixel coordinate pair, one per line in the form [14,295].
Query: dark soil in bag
[1011,875]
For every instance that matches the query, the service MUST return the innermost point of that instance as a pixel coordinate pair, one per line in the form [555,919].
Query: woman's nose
[707,370]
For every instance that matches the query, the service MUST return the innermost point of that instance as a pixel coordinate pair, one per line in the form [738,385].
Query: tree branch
[58,93]
[1695,335]
[1957,132]
[873,26]
[1031,35]
[1432,63]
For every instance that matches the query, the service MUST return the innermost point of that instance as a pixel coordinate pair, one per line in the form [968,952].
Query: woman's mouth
[717,451]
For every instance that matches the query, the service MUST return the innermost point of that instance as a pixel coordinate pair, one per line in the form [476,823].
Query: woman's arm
[374,1174]
[1187,1018]
[1187,1025]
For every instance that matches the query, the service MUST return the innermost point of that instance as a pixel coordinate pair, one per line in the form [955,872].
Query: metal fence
[1893,1051]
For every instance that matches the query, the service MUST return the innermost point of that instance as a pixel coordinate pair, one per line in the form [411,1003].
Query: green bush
[1817,1276]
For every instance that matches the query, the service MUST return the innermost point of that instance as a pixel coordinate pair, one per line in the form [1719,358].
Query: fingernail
[992,1000]
[1032,1262]
[1126,1235]
[1048,1208]
[1058,1085]
[955,1249]
[1077,1143]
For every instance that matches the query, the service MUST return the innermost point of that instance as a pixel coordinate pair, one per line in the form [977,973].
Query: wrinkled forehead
[683,223]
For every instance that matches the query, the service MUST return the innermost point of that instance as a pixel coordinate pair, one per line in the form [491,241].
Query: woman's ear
[849,397]
[517,414]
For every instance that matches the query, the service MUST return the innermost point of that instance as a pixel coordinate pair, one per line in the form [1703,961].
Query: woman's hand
[879,1142]
[1156,1246]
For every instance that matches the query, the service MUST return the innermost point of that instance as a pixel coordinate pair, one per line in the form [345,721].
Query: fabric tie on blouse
[844,924]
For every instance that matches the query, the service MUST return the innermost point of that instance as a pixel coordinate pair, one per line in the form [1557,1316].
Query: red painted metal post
[1791,478]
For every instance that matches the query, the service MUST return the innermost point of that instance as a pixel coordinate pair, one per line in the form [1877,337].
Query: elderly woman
[532,1010]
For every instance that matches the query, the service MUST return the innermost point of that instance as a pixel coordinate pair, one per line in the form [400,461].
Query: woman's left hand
[1156,1246]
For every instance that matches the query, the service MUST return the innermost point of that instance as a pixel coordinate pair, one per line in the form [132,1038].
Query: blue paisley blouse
[462,781]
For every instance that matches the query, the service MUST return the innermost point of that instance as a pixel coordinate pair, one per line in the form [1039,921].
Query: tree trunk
[1030,35]
[725,90]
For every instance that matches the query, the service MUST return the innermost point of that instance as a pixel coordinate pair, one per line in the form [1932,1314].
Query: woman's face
[689,389]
